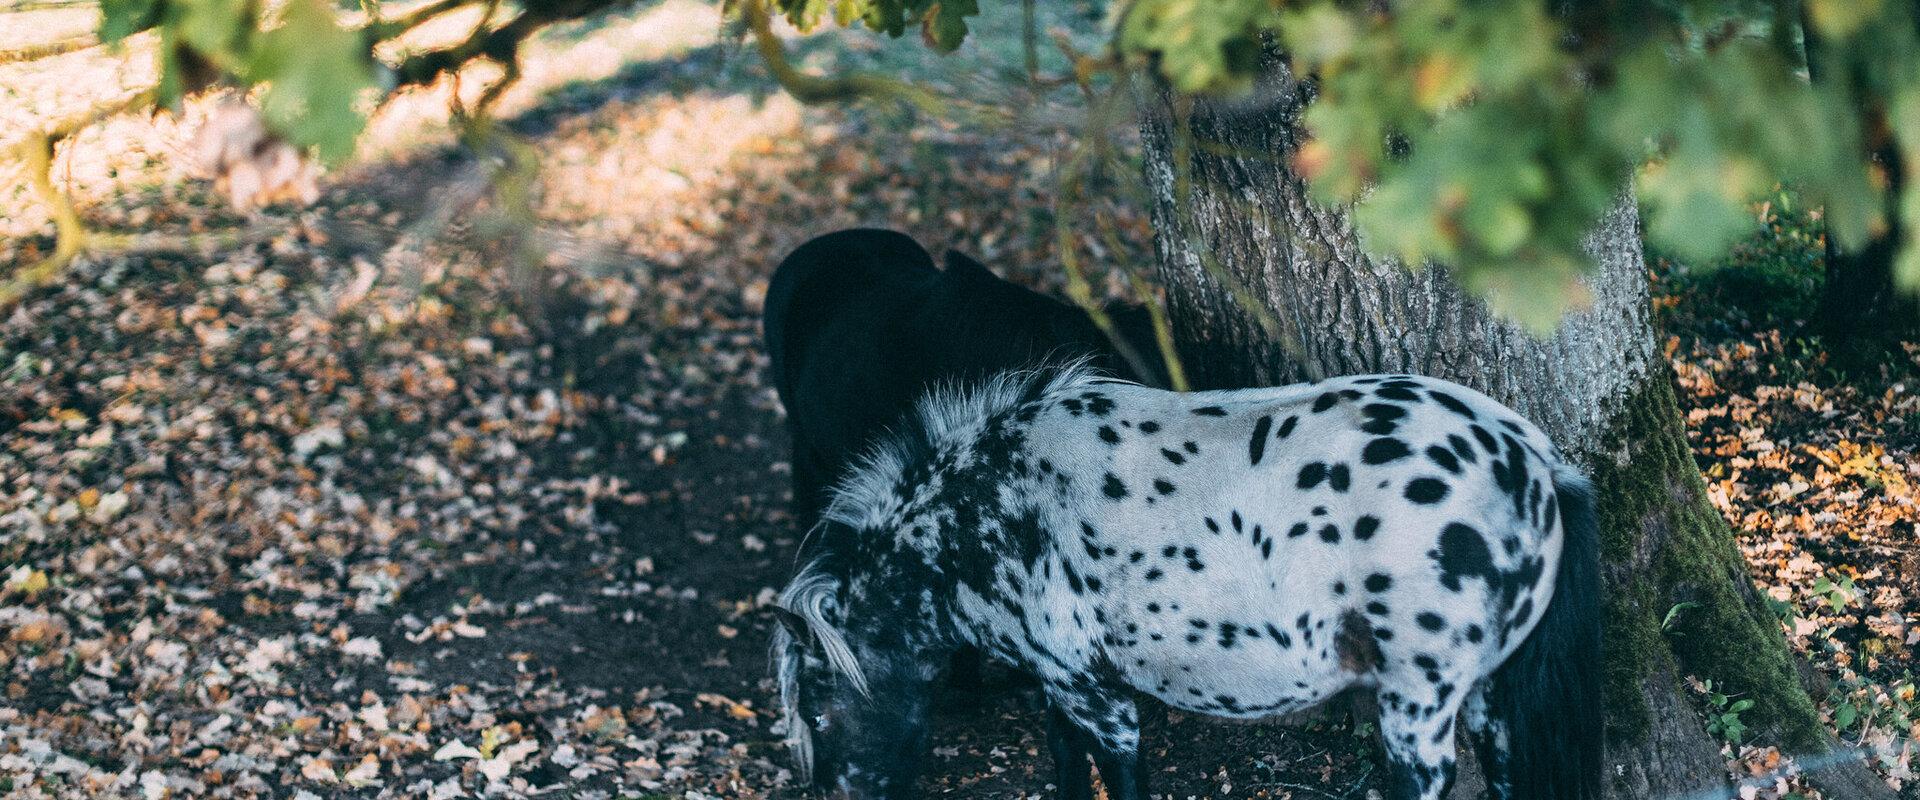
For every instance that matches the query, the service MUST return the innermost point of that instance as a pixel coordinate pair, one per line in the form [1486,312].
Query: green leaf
[1840,18]
[212,27]
[1844,715]
[945,23]
[1203,45]
[316,72]
[1673,616]
[122,18]
[1320,34]
[181,69]
[806,14]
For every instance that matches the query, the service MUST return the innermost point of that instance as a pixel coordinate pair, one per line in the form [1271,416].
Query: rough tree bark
[1226,203]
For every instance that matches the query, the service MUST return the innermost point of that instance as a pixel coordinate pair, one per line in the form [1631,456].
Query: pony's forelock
[807,598]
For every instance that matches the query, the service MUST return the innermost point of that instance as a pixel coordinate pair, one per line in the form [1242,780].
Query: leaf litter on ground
[402,497]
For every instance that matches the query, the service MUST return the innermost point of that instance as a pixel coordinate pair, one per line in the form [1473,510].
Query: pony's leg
[1417,728]
[1101,721]
[968,670]
[1490,744]
[1121,772]
[1068,744]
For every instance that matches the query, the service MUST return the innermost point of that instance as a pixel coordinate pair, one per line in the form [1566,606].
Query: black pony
[860,324]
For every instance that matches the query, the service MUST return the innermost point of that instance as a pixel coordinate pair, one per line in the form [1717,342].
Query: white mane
[948,414]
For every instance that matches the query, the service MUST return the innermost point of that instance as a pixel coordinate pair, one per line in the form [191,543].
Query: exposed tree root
[70,234]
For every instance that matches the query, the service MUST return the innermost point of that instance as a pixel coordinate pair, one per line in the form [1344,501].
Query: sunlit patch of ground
[565,54]
[106,166]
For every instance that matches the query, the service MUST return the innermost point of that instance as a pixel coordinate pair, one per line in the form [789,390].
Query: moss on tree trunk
[1665,546]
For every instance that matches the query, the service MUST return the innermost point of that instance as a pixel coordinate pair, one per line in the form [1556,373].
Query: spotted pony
[1240,554]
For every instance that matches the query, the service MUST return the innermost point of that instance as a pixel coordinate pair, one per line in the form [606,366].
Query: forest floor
[417,492]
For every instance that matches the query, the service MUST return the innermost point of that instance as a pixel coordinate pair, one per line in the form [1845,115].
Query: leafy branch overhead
[317,76]
[318,73]
[1492,136]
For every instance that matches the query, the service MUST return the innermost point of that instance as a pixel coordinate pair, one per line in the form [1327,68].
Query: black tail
[1547,696]
[829,269]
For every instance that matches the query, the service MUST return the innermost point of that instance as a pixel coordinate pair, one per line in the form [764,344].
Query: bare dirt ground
[421,493]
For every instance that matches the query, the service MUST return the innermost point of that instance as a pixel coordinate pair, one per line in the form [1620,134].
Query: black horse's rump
[860,323]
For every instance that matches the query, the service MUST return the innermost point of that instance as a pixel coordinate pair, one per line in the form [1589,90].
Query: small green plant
[1861,703]
[1782,610]
[1673,616]
[1723,715]
[1836,595]
[24,365]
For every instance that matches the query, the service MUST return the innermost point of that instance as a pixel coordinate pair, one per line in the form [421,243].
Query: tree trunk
[1227,205]
[1862,317]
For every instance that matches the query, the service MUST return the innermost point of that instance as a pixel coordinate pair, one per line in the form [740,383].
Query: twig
[500,45]
[35,52]
[72,125]
[1162,333]
[1029,42]
[1082,67]
[70,233]
[44,5]
[483,107]
[1079,289]
[1156,313]
[814,89]
[111,242]
[1142,289]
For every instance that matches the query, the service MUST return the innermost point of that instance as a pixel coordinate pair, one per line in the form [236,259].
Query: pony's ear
[959,263]
[794,623]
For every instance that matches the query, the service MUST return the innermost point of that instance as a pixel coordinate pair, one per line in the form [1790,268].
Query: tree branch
[814,89]
[42,5]
[1156,311]
[112,108]
[35,52]
[69,233]
[500,45]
